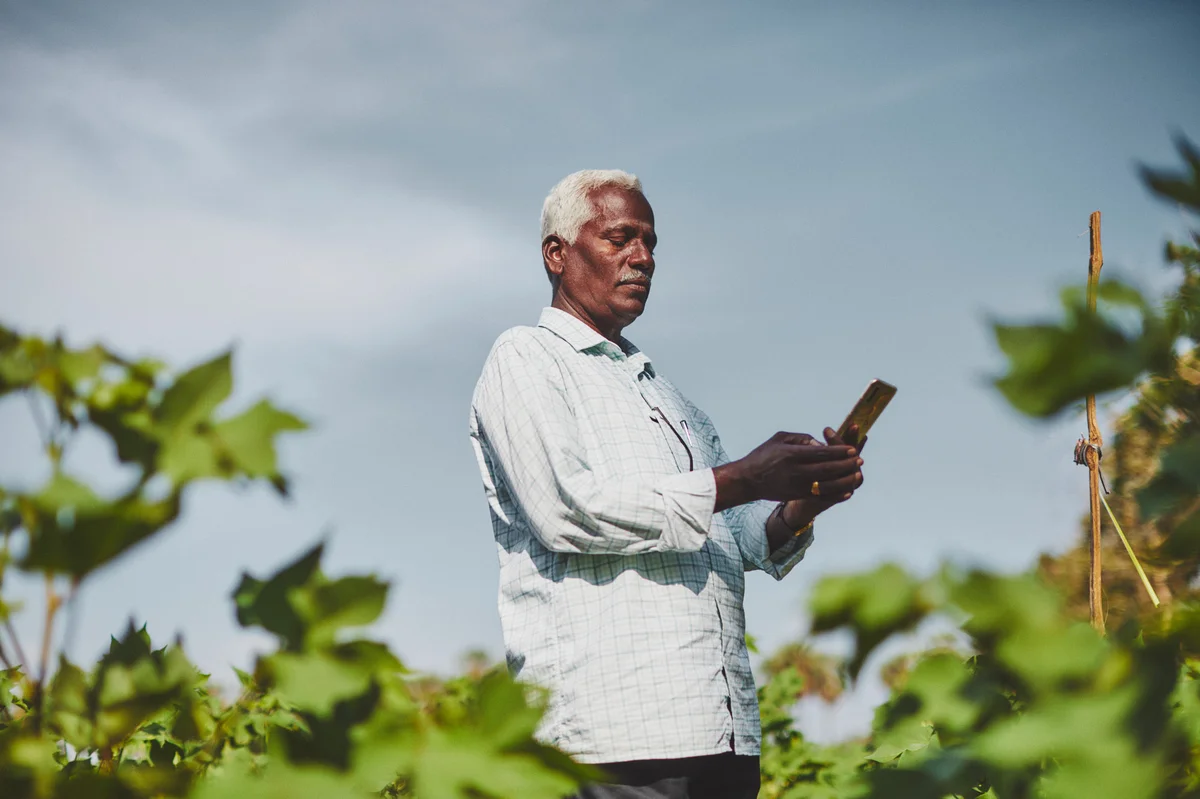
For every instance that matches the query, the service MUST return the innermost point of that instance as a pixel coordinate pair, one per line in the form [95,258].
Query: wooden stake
[1095,597]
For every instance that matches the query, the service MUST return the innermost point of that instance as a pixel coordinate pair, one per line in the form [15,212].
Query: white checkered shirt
[620,588]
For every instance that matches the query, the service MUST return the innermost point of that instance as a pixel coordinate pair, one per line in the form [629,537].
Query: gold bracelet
[788,527]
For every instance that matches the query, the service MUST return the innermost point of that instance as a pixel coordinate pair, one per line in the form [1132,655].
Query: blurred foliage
[1025,700]
[1150,466]
[329,712]
[1028,700]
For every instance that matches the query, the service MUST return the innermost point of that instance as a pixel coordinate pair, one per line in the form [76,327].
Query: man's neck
[565,305]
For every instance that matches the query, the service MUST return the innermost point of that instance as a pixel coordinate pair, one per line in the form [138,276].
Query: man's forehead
[617,205]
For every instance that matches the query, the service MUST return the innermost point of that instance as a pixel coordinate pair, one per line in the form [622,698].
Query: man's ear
[554,256]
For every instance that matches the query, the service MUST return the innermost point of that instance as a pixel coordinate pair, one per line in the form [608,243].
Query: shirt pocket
[617,428]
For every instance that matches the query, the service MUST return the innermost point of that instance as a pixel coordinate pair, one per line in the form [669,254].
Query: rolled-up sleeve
[749,522]
[524,427]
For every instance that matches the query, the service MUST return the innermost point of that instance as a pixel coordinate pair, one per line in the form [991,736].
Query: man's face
[606,273]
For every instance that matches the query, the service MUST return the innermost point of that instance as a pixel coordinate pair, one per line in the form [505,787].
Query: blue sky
[349,193]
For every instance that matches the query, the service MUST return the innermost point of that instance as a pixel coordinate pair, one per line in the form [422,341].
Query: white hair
[569,206]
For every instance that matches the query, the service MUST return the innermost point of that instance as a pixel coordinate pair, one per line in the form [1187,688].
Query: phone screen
[868,408]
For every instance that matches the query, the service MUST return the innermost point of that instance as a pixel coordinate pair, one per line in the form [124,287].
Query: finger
[831,470]
[851,439]
[797,439]
[816,452]
[833,439]
[841,489]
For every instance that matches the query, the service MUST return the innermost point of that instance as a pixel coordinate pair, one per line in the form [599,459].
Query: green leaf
[63,492]
[327,608]
[249,438]
[191,454]
[18,364]
[1179,187]
[79,365]
[330,737]
[244,678]
[897,783]
[1184,539]
[1052,366]
[946,693]
[776,698]
[909,735]
[1186,700]
[317,681]
[72,531]
[8,339]
[1047,658]
[371,655]
[195,719]
[1122,772]
[999,605]
[282,781]
[10,678]
[131,432]
[241,446]
[305,609]
[1177,482]
[131,647]
[265,603]
[454,765]
[68,710]
[194,396]
[1065,727]
[1109,292]
[874,605]
[133,683]
[155,779]
[506,718]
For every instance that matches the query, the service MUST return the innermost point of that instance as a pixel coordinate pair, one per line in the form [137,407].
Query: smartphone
[867,409]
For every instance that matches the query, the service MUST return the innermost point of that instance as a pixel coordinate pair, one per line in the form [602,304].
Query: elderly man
[623,530]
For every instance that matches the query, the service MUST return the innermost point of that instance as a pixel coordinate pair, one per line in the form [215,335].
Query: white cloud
[818,98]
[132,212]
[317,54]
[357,265]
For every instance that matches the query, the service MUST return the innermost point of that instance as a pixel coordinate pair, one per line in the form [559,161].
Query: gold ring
[816,489]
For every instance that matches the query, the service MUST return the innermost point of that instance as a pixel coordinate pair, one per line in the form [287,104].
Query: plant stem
[72,618]
[53,602]
[1095,581]
[44,432]
[16,642]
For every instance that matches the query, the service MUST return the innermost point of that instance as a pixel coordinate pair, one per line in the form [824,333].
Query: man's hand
[800,512]
[785,467]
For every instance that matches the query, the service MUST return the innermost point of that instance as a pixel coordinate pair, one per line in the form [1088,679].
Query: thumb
[833,439]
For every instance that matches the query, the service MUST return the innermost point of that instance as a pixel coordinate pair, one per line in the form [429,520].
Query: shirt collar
[583,338]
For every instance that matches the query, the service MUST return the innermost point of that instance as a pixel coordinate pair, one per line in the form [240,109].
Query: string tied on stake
[1081,450]
[1082,447]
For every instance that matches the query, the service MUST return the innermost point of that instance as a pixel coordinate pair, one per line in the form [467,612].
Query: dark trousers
[723,776]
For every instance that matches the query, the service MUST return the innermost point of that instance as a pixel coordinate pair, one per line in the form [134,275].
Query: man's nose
[641,256]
